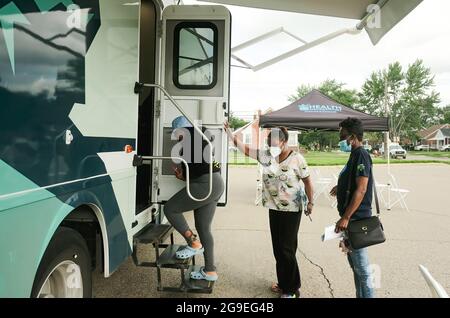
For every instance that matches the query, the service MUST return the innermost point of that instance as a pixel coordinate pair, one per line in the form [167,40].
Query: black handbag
[365,232]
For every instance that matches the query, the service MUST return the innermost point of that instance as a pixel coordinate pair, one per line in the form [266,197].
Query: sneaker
[294,295]
[288,296]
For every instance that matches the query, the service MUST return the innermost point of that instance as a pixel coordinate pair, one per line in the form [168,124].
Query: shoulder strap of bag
[377,203]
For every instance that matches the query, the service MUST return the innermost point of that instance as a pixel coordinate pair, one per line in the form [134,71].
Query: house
[436,136]
[255,137]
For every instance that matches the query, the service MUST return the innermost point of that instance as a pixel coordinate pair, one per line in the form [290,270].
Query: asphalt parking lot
[244,254]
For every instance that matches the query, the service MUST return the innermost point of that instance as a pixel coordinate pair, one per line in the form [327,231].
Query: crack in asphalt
[322,272]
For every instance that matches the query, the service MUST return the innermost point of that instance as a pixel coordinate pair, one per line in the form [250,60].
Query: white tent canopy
[391,11]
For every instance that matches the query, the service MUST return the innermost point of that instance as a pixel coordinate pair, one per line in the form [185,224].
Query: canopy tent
[318,111]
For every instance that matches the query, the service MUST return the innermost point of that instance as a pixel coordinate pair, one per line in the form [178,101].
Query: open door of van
[195,75]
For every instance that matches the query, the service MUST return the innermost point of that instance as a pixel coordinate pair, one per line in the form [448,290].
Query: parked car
[446,148]
[408,147]
[422,148]
[396,151]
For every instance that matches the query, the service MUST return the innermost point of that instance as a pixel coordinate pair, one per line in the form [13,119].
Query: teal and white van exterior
[71,123]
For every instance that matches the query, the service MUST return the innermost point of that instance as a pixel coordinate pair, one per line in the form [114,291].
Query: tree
[301,92]
[236,122]
[322,138]
[444,115]
[379,89]
[407,97]
[336,90]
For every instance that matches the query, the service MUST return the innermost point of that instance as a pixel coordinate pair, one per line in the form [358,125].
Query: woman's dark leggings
[203,212]
[284,227]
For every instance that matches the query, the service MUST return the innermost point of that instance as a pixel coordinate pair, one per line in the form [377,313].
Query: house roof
[432,131]
[446,132]
[432,136]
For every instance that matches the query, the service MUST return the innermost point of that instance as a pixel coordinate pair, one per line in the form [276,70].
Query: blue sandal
[188,252]
[201,275]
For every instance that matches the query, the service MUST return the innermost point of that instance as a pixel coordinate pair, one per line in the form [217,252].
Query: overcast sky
[424,34]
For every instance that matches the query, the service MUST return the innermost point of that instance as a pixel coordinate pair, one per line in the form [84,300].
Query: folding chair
[334,201]
[322,186]
[319,177]
[381,189]
[400,193]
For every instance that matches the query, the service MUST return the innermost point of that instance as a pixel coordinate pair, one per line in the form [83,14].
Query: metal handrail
[188,189]
[437,291]
[137,89]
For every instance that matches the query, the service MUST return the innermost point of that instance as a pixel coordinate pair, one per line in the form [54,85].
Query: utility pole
[387,155]
[386,109]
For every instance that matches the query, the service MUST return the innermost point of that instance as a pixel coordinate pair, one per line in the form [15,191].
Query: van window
[195,55]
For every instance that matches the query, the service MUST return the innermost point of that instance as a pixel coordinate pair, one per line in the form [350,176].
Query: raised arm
[249,152]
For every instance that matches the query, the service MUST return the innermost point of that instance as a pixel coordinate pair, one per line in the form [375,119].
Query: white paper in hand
[330,234]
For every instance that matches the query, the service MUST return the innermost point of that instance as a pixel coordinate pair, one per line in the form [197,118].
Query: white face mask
[275,151]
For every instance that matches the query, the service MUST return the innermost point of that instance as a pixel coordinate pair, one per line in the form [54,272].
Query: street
[244,253]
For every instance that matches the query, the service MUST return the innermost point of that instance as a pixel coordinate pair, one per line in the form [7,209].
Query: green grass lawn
[340,159]
[316,158]
[434,154]
[238,158]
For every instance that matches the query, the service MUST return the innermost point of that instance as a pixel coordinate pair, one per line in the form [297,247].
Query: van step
[168,260]
[196,286]
[154,234]
[189,285]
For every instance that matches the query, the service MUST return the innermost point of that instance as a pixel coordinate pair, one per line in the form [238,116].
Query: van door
[196,74]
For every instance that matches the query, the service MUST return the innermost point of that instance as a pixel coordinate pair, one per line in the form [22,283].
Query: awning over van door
[392,11]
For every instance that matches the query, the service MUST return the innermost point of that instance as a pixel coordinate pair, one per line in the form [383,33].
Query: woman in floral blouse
[287,192]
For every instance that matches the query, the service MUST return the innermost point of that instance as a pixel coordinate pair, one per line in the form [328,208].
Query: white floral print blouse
[282,186]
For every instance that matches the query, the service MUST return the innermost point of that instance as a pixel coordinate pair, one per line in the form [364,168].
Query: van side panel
[67,110]
[25,231]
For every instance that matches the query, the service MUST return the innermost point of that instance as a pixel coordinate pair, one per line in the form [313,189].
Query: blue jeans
[359,262]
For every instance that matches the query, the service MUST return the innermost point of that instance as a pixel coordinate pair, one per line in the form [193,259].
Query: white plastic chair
[400,194]
[318,176]
[381,189]
[334,201]
[322,186]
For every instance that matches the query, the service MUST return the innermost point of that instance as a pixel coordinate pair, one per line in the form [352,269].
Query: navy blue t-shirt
[361,164]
